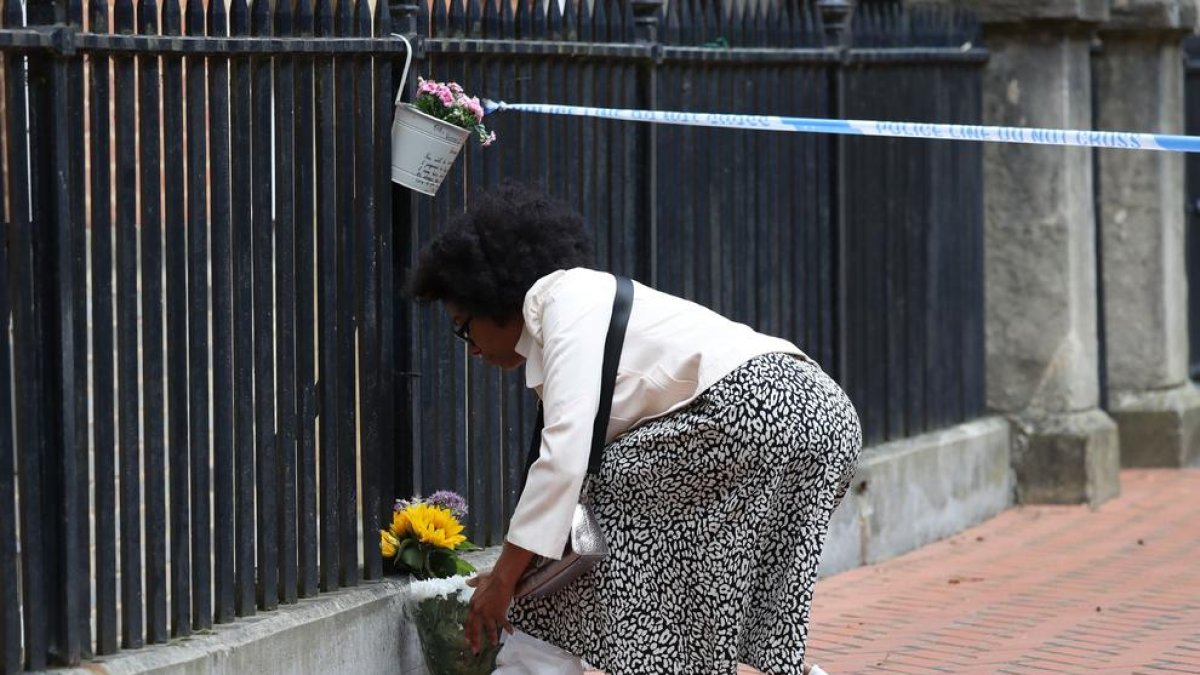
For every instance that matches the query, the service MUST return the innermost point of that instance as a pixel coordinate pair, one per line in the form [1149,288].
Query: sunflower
[401,526]
[388,543]
[435,525]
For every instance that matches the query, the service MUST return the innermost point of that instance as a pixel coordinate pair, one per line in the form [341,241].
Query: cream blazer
[674,350]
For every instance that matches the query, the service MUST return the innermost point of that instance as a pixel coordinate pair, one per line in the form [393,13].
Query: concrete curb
[349,630]
[918,490]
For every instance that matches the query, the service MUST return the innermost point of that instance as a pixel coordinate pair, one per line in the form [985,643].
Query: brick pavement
[1036,590]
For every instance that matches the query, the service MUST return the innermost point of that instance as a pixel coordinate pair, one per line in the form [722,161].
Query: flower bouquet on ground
[425,539]
[439,609]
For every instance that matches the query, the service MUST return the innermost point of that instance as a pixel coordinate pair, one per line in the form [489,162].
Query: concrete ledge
[1152,15]
[914,491]
[354,630]
[1016,11]
[1159,429]
[1066,458]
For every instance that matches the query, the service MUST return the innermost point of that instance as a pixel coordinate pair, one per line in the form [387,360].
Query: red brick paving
[1035,590]
[1040,590]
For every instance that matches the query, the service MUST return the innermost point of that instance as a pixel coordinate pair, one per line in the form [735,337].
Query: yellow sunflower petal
[387,544]
[435,526]
[401,526]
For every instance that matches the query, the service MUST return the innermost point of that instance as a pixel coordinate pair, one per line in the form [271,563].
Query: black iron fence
[866,252]
[211,387]
[197,348]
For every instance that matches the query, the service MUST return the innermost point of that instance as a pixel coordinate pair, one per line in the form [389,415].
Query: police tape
[951,132]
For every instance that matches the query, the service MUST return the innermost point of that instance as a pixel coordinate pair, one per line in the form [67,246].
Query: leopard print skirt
[715,517]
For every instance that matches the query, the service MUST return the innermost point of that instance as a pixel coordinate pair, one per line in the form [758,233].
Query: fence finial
[835,15]
[646,14]
[404,16]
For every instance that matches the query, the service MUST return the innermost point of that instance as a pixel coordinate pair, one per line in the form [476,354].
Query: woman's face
[495,341]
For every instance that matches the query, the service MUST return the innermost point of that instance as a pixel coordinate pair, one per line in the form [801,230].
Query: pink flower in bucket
[449,103]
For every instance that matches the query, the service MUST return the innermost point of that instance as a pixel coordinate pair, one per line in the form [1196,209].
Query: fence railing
[198,315]
[211,382]
[866,252]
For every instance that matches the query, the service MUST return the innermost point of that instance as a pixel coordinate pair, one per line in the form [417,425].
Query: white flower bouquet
[439,609]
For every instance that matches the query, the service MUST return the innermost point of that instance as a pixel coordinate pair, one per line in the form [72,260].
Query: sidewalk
[1035,590]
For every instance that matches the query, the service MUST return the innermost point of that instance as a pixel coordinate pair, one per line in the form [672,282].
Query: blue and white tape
[953,132]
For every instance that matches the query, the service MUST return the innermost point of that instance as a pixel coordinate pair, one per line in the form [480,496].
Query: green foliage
[443,641]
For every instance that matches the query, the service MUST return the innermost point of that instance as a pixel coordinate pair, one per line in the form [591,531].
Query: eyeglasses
[463,330]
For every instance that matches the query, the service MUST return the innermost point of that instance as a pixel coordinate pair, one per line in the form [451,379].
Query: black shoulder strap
[613,343]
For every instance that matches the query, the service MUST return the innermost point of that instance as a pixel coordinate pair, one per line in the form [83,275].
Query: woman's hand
[488,612]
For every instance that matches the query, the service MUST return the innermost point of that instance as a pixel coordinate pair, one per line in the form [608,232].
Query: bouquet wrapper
[438,608]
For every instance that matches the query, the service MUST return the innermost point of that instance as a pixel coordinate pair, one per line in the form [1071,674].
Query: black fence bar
[128,386]
[389,454]
[175,225]
[153,369]
[285,311]
[306,441]
[78,525]
[327,216]
[367,268]
[198,322]
[221,213]
[344,313]
[30,455]
[264,315]
[10,599]
[102,380]
[245,596]
[285,304]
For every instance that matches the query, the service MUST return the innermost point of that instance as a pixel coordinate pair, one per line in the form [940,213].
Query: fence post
[646,19]
[835,16]
[52,228]
[405,15]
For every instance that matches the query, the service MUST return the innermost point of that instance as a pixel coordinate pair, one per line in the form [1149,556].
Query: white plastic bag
[523,654]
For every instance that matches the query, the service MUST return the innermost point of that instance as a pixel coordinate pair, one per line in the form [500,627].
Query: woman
[727,451]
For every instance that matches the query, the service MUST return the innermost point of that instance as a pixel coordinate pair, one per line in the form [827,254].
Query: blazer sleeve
[574,323]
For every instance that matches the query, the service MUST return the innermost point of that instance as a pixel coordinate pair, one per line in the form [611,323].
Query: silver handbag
[585,545]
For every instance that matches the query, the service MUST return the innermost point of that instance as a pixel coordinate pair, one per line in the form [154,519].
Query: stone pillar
[1040,258]
[1139,81]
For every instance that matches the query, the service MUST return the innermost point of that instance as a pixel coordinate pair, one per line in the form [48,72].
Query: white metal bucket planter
[423,147]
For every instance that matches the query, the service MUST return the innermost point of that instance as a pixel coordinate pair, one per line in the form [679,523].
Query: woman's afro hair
[487,258]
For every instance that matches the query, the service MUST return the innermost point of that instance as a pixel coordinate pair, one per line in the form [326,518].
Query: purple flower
[449,500]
